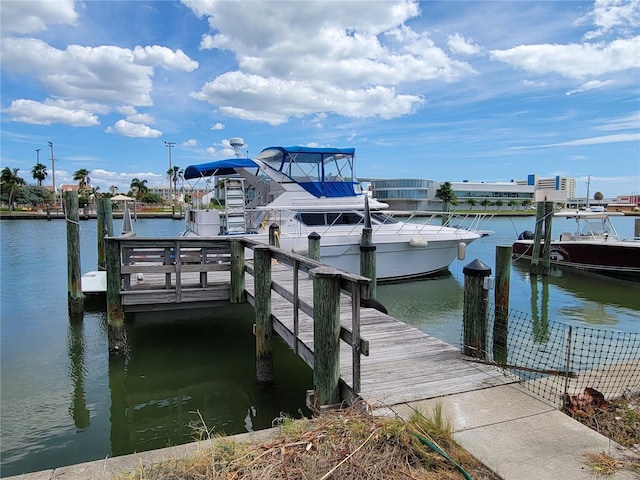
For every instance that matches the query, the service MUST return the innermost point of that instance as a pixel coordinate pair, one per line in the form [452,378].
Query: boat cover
[219,167]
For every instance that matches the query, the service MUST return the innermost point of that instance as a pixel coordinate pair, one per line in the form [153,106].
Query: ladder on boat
[234,201]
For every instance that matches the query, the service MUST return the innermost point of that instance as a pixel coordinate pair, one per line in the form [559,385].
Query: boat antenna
[237,143]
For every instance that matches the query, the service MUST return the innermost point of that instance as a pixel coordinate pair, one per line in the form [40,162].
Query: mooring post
[263,328]
[475,309]
[237,294]
[274,235]
[368,260]
[636,229]
[326,335]
[535,268]
[104,229]
[75,299]
[548,220]
[368,251]
[313,241]
[115,312]
[501,301]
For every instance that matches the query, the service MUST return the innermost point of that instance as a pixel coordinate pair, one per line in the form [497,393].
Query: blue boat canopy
[327,172]
[219,167]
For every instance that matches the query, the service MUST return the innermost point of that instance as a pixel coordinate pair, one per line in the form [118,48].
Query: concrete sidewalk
[514,433]
[521,437]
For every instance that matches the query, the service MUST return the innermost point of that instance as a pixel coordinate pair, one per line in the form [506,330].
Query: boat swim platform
[404,364]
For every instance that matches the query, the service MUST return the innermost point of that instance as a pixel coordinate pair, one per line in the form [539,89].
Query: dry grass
[338,444]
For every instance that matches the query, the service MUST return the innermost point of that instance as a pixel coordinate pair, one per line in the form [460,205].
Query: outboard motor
[526,235]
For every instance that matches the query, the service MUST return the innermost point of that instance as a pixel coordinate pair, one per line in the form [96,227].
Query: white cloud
[617,138]
[217,126]
[574,61]
[48,113]
[106,74]
[165,57]
[133,116]
[34,15]
[192,142]
[458,44]
[137,130]
[610,15]
[592,85]
[350,63]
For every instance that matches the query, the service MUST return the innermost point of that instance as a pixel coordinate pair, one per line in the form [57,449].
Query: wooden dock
[382,360]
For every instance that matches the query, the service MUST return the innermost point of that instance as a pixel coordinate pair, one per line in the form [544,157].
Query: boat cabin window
[382,218]
[329,218]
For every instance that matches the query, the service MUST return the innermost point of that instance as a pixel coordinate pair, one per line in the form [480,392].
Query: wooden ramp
[404,363]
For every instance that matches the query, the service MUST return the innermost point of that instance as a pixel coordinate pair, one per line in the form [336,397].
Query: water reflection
[75,341]
[182,372]
[540,314]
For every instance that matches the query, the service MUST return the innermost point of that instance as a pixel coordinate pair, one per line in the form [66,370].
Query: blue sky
[484,91]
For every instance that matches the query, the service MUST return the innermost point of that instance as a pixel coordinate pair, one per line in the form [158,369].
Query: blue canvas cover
[219,167]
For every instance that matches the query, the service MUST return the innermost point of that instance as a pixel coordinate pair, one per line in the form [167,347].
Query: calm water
[64,402]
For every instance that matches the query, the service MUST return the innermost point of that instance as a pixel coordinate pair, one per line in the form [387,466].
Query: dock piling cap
[477,269]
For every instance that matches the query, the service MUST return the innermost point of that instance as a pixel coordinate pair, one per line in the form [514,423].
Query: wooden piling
[368,260]
[75,300]
[475,309]
[237,293]
[274,235]
[314,246]
[263,328]
[104,228]
[501,302]
[115,312]
[326,335]
[548,220]
[535,268]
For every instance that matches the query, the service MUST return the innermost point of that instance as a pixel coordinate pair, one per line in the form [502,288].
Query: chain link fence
[561,363]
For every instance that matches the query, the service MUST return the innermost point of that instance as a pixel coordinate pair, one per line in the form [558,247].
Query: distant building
[420,194]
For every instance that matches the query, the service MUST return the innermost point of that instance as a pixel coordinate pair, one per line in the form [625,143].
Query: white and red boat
[594,246]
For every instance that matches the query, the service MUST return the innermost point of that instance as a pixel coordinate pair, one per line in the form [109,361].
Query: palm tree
[446,194]
[39,173]
[82,176]
[9,180]
[485,203]
[498,204]
[113,190]
[598,197]
[513,204]
[472,203]
[138,187]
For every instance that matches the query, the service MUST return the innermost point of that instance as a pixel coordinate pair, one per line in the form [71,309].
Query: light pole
[169,145]
[53,175]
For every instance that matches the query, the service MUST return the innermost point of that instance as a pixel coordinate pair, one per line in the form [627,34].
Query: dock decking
[398,363]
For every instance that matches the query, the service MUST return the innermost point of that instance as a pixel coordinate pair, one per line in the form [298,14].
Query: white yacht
[305,190]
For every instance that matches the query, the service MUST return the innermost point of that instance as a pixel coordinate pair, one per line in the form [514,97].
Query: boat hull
[616,258]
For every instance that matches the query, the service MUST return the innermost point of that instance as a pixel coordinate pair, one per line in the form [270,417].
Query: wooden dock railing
[165,273]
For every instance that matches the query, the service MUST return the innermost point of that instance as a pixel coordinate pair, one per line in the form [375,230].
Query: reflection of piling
[262,288]
[326,335]
[79,412]
[104,217]
[501,300]
[75,299]
[636,229]
[115,312]
[475,311]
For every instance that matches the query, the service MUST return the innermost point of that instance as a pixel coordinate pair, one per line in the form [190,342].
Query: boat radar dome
[237,143]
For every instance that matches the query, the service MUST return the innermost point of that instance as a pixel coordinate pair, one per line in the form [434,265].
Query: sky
[482,91]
